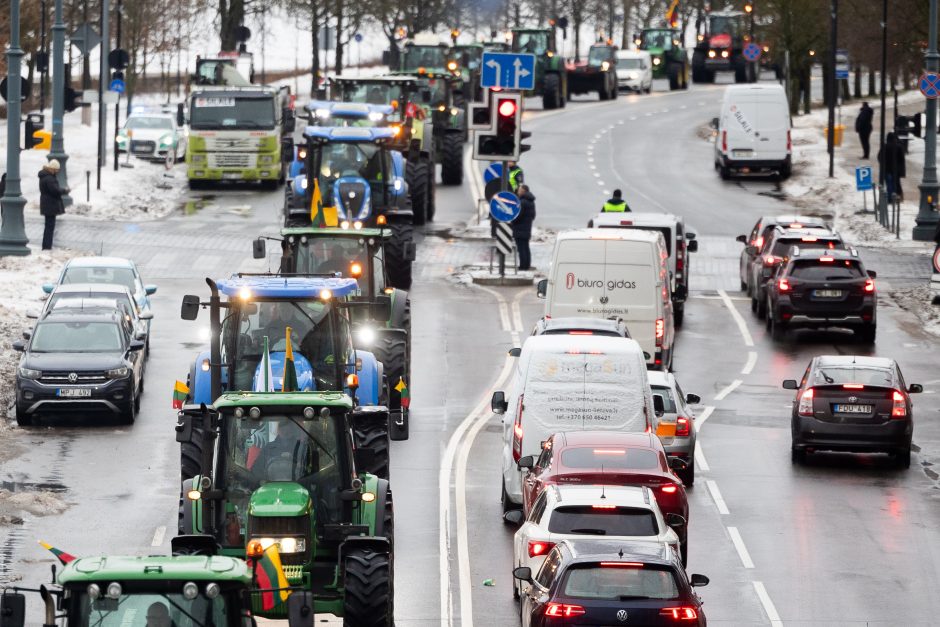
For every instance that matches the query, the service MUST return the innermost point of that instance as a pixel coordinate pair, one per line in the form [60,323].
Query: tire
[797,455]
[787,169]
[374,435]
[761,308]
[452,160]
[399,270]
[368,589]
[191,456]
[416,175]
[672,71]
[392,351]
[688,475]
[432,204]
[504,501]
[685,76]
[753,305]
[777,330]
[678,314]
[725,172]
[902,458]
[744,286]
[23,419]
[867,333]
[551,92]
[129,415]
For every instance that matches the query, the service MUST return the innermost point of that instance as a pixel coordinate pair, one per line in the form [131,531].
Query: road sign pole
[12,231]
[926,221]
[503,186]
[117,105]
[102,77]
[57,148]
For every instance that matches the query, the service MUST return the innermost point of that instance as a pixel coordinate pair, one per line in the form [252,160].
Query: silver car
[676,427]
[153,136]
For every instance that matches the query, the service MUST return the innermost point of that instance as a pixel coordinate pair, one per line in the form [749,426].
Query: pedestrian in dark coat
[522,227]
[863,127]
[891,162]
[50,200]
[3,184]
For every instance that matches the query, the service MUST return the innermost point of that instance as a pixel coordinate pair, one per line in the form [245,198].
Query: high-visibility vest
[514,174]
[613,206]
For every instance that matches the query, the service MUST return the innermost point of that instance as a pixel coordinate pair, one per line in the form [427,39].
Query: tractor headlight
[657,60]
[323,113]
[301,153]
[366,336]
[292,545]
[454,111]
[303,183]
[724,54]
[605,66]
[397,185]
[375,116]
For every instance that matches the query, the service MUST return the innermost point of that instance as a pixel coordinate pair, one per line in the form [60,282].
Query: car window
[539,508]
[838,270]
[610,458]
[781,246]
[754,232]
[549,570]
[613,582]
[76,337]
[603,521]
[98,274]
[829,375]
[669,401]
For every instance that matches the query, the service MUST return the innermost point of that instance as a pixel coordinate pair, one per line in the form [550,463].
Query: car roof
[782,232]
[637,219]
[812,254]
[559,344]
[99,262]
[854,360]
[635,235]
[573,322]
[606,438]
[792,219]
[595,550]
[86,303]
[659,377]
[628,496]
[77,288]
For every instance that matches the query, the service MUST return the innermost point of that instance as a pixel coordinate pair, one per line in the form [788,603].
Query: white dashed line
[596,173]
[731,387]
[751,362]
[700,420]
[768,604]
[738,543]
[601,183]
[742,326]
[683,107]
[700,103]
[620,122]
[716,496]
[700,460]
[158,536]
[632,117]
[648,114]
[607,191]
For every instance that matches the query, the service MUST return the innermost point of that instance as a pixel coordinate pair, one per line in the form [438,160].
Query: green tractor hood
[279,498]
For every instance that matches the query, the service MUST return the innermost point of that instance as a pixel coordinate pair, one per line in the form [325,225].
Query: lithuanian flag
[289,382]
[180,392]
[672,15]
[64,557]
[317,217]
[402,389]
[269,575]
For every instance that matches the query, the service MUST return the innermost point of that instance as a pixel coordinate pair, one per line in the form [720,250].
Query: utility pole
[86,71]
[117,106]
[12,231]
[884,88]
[926,221]
[57,149]
[102,78]
[833,90]
[44,70]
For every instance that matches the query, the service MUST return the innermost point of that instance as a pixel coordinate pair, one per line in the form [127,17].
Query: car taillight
[783,285]
[789,142]
[564,610]
[660,331]
[869,285]
[724,141]
[770,260]
[669,488]
[680,257]
[759,242]
[899,408]
[679,613]
[683,427]
[539,548]
[806,403]
[517,432]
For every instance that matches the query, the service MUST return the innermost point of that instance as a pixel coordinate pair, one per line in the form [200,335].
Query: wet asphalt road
[844,540]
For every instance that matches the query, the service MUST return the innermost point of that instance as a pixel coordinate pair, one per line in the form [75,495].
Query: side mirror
[287,149]
[693,399]
[541,288]
[659,408]
[692,245]
[190,308]
[872,274]
[790,384]
[514,516]
[48,287]
[12,609]
[674,520]
[697,581]
[714,123]
[689,235]
[364,458]
[180,115]
[515,351]
[411,251]
[259,249]
[32,314]
[150,289]
[300,608]
[741,238]
[915,388]
[145,315]
[184,429]
[19,346]
[289,122]
[522,573]
[527,462]
[136,345]
[498,403]
[27,335]
[381,308]
[677,463]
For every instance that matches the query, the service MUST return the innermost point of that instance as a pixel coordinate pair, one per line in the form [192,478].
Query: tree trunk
[394,54]
[807,75]
[857,92]
[315,53]
[577,39]
[231,16]
[872,90]
[626,37]
[340,11]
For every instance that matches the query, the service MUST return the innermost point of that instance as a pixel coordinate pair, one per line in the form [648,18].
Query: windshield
[656,39]
[782,246]
[375,93]
[603,521]
[427,57]
[534,43]
[141,122]
[322,255]
[469,56]
[76,337]
[829,375]
[722,24]
[232,112]
[99,274]
[155,609]
[597,55]
[840,270]
[629,63]
[362,160]
[609,582]
[610,458]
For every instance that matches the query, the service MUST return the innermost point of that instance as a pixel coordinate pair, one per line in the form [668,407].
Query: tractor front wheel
[416,175]
[368,587]
[452,159]
[374,435]
[551,92]
[396,264]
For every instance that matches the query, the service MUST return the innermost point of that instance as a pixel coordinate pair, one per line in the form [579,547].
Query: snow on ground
[917,300]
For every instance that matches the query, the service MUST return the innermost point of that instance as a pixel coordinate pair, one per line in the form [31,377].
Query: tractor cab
[537,41]
[420,58]
[467,60]
[328,113]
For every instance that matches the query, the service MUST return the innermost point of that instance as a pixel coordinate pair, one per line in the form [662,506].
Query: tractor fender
[398,164]
[201,386]
[370,378]
[372,513]
[190,511]
[297,185]
[399,301]
[373,543]
[296,166]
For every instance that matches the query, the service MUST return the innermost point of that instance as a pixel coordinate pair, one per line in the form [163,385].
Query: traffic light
[72,99]
[502,144]
[481,116]
[908,124]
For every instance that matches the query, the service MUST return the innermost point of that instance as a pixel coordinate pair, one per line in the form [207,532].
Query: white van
[679,243]
[634,70]
[753,131]
[615,273]
[570,383]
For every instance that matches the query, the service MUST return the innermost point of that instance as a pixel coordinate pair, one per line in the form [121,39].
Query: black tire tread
[368,589]
[374,435]
[452,159]
[416,175]
[399,270]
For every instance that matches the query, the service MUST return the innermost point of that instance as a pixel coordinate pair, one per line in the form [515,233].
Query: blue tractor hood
[349,133]
[274,287]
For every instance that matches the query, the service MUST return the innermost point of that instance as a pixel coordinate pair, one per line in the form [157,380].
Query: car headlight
[28,373]
[657,60]
[605,66]
[117,373]
[120,139]
[166,140]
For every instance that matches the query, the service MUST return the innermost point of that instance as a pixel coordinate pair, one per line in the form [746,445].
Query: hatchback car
[610,583]
[817,289]
[581,326]
[607,458]
[852,403]
[570,512]
[79,363]
[676,426]
[754,241]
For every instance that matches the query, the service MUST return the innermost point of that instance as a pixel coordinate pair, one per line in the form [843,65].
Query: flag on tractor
[402,389]
[289,382]
[317,219]
[180,392]
[672,15]
[265,382]
[270,578]
[64,557]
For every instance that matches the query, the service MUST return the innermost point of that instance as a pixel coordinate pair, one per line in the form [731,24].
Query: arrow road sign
[863,180]
[508,70]
[494,171]
[116,85]
[505,207]
[930,85]
[503,234]
[751,52]
[85,38]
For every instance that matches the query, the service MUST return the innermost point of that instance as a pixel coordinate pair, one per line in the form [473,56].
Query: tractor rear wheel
[672,71]
[399,270]
[374,435]
[392,351]
[191,455]
[432,206]
[368,587]
[452,159]
[551,92]
[740,70]
[416,175]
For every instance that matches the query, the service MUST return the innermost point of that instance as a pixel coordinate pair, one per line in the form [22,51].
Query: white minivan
[570,383]
[634,70]
[615,273]
[753,131]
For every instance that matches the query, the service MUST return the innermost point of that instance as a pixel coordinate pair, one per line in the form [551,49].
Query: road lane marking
[716,496]
[158,536]
[768,604]
[700,460]
[731,387]
[517,316]
[738,543]
[700,420]
[751,362]
[738,319]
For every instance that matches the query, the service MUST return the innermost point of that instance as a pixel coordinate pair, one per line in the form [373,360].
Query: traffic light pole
[12,231]
[926,221]
[117,106]
[503,187]
[57,149]
[102,77]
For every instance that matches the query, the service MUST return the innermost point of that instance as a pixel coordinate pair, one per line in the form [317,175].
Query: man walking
[863,127]
[50,200]
[522,227]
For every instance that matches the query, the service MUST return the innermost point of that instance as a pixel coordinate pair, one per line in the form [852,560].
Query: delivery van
[753,131]
[615,273]
[570,383]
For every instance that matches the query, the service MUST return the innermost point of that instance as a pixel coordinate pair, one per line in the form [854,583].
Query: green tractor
[670,59]
[468,60]
[551,76]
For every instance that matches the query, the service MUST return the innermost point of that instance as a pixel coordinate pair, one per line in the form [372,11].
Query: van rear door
[741,125]
[578,279]
[773,123]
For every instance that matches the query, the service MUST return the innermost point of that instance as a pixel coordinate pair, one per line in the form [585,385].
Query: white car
[676,427]
[634,70]
[578,512]
[152,136]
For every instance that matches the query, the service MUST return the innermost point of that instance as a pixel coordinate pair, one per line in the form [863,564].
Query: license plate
[666,429]
[232,175]
[73,392]
[742,153]
[852,409]
[827,293]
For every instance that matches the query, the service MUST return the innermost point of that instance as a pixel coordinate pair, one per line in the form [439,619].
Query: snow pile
[37,503]
[917,300]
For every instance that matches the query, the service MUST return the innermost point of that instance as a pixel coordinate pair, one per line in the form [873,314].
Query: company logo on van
[571,280]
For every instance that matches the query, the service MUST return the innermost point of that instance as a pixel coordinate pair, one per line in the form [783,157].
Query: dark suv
[761,231]
[852,403]
[822,288]
[78,363]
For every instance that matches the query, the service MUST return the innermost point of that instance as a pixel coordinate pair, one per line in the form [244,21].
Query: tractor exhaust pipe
[215,342]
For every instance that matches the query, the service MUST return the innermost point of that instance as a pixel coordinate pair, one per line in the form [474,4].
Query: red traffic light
[507,108]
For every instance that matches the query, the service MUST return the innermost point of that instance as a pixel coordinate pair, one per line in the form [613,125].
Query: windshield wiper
[827,377]
[593,532]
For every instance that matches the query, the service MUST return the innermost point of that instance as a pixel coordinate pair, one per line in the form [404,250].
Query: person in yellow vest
[516,177]
[616,204]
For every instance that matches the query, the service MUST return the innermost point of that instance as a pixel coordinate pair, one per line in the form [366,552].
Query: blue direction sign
[494,171]
[752,52]
[505,207]
[863,180]
[508,70]
[116,85]
[930,85]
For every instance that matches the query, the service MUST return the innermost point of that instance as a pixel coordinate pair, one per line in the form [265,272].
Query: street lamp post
[57,149]
[12,231]
[926,221]
[833,89]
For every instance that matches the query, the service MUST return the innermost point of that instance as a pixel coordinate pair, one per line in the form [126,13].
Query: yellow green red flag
[64,557]
[270,577]
[180,392]
[289,382]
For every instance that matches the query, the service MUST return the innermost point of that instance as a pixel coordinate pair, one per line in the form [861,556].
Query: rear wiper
[632,597]
[827,377]
[593,532]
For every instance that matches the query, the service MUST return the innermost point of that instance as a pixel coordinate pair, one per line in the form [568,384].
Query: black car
[598,582]
[761,232]
[817,289]
[79,363]
[774,251]
[852,403]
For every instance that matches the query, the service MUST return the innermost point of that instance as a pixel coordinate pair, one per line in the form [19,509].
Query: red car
[608,458]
